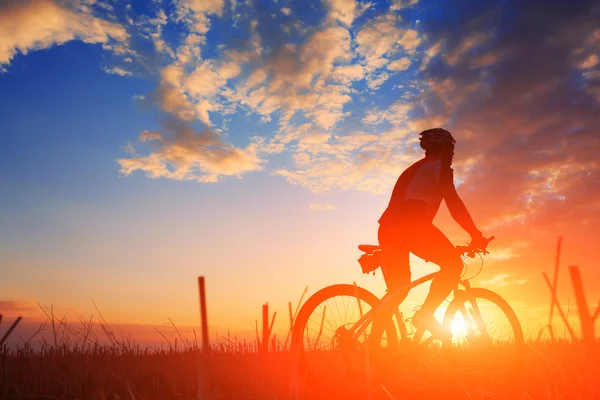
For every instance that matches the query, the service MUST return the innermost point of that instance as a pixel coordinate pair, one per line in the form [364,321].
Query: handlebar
[471,250]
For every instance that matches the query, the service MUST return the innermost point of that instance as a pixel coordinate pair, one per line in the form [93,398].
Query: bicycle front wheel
[486,334]
[326,352]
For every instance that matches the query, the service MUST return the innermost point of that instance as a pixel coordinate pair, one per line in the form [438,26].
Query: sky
[256,143]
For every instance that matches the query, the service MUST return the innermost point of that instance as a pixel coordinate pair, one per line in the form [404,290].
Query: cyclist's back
[416,196]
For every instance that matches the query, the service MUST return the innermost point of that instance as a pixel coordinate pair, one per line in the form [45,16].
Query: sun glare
[459,326]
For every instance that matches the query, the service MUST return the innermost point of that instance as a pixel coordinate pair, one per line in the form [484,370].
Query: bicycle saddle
[368,248]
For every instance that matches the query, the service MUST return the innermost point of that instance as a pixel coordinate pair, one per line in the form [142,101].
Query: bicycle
[348,348]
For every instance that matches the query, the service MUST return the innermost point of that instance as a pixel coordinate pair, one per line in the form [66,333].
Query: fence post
[203,316]
[202,357]
[587,324]
[9,331]
[587,331]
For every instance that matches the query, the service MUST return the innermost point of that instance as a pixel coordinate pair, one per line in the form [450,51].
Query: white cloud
[401,64]
[401,4]
[377,38]
[396,114]
[284,84]
[117,71]
[321,207]
[346,74]
[195,13]
[376,80]
[342,10]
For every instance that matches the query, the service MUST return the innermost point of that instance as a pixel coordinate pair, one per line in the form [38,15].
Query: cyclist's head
[438,142]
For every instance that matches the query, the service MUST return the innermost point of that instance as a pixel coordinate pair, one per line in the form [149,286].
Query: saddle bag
[369,262]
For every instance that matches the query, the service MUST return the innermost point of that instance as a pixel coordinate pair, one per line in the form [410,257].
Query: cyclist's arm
[457,208]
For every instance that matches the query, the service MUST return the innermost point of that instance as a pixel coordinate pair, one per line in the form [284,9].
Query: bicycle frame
[361,325]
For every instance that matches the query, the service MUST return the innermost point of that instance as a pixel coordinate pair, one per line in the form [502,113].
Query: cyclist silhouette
[406,226]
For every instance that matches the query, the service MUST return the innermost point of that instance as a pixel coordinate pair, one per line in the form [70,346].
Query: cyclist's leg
[396,268]
[430,244]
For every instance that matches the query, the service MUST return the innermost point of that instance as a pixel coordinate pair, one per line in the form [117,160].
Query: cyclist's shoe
[428,321]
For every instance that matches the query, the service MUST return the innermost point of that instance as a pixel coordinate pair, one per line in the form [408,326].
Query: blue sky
[143,143]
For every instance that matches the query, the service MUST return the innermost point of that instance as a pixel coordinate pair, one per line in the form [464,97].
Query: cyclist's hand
[479,242]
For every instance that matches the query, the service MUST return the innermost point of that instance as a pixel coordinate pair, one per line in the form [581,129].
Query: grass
[74,365]
[236,370]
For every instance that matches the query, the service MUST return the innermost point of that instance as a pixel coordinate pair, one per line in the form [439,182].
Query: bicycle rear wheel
[487,337]
[325,353]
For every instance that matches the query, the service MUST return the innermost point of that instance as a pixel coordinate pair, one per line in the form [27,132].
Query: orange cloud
[33,25]
[187,155]
[17,307]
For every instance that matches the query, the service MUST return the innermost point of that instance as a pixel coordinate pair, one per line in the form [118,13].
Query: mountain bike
[342,330]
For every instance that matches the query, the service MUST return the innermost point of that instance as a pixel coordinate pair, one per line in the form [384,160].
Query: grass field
[551,370]
[74,364]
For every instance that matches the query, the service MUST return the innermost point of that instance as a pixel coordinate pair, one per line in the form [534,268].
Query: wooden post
[587,323]
[203,356]
[587,331]
[203,317]
[5,337]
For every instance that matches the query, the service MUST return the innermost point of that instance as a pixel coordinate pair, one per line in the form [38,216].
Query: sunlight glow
[459,326]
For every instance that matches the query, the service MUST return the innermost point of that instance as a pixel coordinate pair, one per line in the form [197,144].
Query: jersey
[417,195]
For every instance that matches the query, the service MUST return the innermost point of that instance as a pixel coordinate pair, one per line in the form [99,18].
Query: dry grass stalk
[293,317]
[555,283]
[560,311]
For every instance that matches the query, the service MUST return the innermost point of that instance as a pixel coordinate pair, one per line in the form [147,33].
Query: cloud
[34,25]
[189,85]
[117,71]
[530,131]
[401,4]
[184,154]
[361,161]
[346,74]
[345,11]
[396,114]
[466,45]
[401,64]
[502,280]
[321,207]
[195,13]
[295,78]
[377,38]
[343,96]
[17,307]
[374,81]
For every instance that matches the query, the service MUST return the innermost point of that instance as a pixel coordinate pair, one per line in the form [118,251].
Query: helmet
[435,137]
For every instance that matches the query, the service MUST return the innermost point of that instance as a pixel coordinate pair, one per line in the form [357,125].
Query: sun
[459,326]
